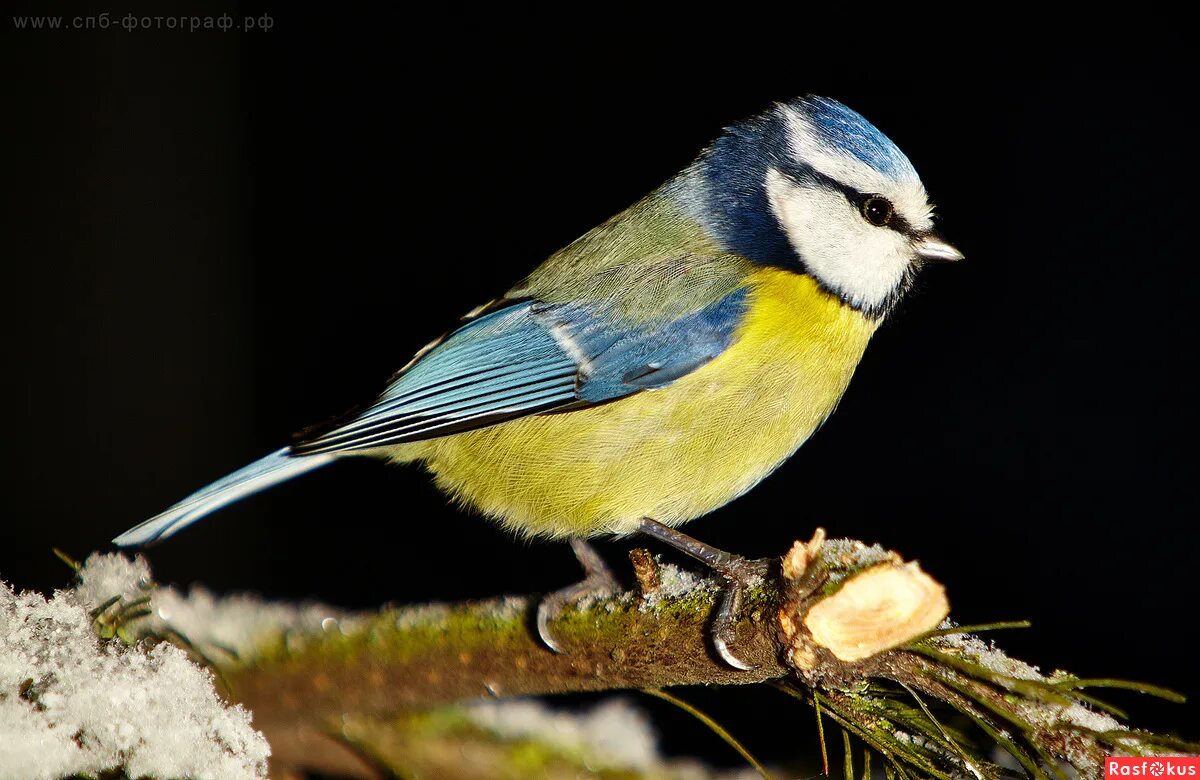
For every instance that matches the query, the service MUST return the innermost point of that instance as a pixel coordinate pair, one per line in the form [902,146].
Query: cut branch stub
[873,609]
[880,608]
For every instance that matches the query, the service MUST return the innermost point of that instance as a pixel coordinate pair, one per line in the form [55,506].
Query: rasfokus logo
[1158,766]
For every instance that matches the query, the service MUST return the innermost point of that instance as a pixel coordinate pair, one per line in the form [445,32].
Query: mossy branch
[852,630]
[419,657]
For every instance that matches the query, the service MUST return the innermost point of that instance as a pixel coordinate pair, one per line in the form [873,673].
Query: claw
[597,581]
[738,573]
[723,625]
[545,613]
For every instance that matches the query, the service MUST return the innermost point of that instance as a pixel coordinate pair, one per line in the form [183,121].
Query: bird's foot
[738,572]
[597,581]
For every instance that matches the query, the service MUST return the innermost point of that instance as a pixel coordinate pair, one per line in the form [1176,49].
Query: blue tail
[259,475]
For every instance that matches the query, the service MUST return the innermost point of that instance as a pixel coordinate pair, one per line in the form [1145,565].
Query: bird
[660,365]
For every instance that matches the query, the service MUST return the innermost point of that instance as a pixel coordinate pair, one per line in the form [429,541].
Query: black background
[214,239]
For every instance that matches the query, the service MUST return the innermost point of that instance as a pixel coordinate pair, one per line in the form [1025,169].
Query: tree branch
[405,658]
[849,629]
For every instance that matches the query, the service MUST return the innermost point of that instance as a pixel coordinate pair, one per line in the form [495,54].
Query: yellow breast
[674,453]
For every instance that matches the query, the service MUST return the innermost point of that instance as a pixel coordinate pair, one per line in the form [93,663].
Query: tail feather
[259,475]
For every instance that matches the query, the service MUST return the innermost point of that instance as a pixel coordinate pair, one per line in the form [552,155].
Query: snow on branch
[74,704]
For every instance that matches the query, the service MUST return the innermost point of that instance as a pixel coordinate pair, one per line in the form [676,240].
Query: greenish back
[651,262]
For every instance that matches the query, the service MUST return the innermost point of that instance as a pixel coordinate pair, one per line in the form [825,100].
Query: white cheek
[863,263]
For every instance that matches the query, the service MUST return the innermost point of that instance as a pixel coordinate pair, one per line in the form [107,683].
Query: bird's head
[812,186]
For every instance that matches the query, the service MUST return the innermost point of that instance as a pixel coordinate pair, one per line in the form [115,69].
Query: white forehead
[813,146]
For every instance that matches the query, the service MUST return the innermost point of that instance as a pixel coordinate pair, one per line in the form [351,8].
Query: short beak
[932,249]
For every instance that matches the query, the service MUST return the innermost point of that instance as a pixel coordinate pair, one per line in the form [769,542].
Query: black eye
[877,210]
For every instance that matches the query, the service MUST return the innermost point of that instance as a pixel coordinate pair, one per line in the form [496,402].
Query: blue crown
[846,131]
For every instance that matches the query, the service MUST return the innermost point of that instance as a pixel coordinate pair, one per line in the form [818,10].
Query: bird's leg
[738,572]
[597,580]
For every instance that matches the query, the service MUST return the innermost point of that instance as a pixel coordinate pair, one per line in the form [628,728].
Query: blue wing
[531,357]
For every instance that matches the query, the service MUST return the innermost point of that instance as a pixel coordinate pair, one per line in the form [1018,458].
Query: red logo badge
[1151,767]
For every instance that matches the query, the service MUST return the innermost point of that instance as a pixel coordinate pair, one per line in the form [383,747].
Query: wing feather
[500,365]
[530,358]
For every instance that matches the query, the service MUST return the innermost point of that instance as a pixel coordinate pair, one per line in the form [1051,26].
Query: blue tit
[667,360]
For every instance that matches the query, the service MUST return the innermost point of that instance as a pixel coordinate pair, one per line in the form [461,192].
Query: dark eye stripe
[805,174]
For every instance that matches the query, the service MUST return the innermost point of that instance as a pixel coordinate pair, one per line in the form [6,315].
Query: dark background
[214,239]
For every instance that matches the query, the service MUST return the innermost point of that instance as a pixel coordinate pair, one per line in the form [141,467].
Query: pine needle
[821,734]
[62,556]
[962,754]
[715,727]
[1073,683]
[997,626]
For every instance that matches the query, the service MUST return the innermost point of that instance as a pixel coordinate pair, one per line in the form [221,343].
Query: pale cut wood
[880,608]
